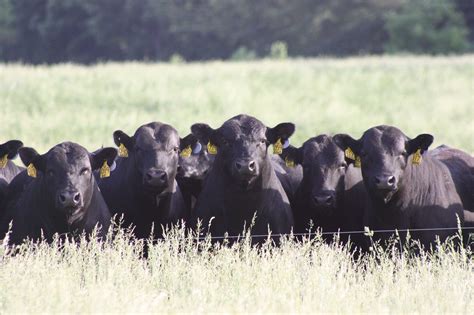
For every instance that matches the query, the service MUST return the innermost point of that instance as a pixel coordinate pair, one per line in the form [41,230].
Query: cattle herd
[225,179]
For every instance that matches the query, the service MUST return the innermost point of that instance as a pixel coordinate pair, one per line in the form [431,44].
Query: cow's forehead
[322,148]
[389,139]
[243,127]
[68,155]
[155,134]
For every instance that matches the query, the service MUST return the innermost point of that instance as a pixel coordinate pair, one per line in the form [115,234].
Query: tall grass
[182,275]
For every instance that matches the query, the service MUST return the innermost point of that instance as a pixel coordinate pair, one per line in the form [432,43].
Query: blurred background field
[44,105]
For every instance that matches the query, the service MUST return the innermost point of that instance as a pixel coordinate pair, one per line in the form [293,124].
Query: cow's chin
[154,190]
[385,195]
[73,214]
[323,210]
[245,183]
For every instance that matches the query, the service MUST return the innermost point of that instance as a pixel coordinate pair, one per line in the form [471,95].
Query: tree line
[88,31]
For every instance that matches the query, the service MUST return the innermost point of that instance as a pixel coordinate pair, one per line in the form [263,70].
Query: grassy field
[46,105]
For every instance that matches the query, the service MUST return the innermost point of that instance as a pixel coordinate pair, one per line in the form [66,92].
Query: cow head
[153,152]
[242,144]
[324,167]
[195,160]
[67,172]
[9,151]
[384,152]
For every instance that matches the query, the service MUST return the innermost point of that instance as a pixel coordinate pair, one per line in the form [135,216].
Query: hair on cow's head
[31,156]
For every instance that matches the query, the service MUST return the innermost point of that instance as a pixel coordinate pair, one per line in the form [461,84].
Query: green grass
[46,105]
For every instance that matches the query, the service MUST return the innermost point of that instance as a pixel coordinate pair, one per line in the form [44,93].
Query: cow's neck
[424,185]
[9,171]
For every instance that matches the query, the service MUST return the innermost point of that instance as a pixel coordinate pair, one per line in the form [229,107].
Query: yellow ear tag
[4,161]
[350,154]
[122,151]
[357,162]
[186,152]
[212,149]
[289,162]
[31,170]
[278,147]
[105,170]
[416,160]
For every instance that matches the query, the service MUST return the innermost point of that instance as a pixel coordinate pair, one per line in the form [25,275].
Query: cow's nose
[156,177]
[385,182]
[246,166]
[326,198]
[69,198]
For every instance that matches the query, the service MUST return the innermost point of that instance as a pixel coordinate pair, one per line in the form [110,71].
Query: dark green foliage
[86,31]
[424,26]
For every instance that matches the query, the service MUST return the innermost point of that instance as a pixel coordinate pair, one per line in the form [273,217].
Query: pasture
[44,105]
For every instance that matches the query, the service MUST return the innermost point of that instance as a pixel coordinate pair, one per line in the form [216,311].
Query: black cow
[242,181]
[461,166]
[332,194]
[193,169]
[143,188]
[407,189]
[194,164]
[8,169]
[290,176]
[60,196]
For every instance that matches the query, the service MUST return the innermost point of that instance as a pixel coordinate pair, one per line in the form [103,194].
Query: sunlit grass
[182,275]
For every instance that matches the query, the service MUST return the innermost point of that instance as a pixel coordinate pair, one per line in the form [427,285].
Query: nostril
[252,165]
[329,199]
[391,180]
[162,176]
[238,165]
[377,180]
[62,198]
[148,177]
[77,197]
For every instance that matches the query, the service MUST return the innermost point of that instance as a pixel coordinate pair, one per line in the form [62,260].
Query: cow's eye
[176,149]
[262,142]
[84,171]
[343,165]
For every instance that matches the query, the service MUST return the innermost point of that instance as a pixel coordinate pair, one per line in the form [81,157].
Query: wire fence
[366,232]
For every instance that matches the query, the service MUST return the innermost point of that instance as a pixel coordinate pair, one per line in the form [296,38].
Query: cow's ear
[100,156]
[345,142]
[29,156]
[121,137]
[421,142]
[350,146]
[10,148]
[280,132]
[204,133]
[189,145]
[292,153]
